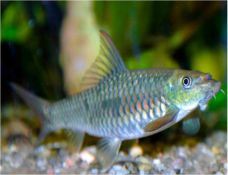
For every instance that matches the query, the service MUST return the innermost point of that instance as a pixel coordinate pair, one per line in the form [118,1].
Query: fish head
[190,89]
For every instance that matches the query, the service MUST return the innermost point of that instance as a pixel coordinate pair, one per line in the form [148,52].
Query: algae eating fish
[118,104]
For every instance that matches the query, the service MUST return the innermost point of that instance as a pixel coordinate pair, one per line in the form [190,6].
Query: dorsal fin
[106,63]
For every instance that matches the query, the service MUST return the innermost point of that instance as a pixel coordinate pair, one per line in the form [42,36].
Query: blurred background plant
[47,46]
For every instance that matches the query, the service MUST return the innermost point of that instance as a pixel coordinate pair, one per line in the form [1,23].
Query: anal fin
[107,152]
[76,138]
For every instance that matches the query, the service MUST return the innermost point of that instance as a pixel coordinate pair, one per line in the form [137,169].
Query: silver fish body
[117,104]
[120,106]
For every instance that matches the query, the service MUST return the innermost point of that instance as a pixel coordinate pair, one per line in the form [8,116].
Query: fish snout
[210,84]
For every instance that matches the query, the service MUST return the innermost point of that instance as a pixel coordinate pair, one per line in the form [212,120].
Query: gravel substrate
[206,157]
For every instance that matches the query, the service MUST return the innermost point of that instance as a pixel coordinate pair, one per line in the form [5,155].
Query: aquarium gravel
[206,157]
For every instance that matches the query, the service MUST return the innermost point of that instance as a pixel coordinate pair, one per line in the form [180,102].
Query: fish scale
[118,104]
[114,121]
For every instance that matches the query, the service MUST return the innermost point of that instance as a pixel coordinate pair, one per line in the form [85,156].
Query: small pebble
[144,160]
[136,151]
[158,165]
[41,163]
[68,162]
[156,161]
[87,157]
[141,172]
[94,171]
[57,170]
[168,162]
[43,151]
[178,164]
[16,159]
[50,171]
[182,152]
[168,172]
[215,150]
[118,170]
[145,168]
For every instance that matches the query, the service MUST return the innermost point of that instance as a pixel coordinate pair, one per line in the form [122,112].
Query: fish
[117,104]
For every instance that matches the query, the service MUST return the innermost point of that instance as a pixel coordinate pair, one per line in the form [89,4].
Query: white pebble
[136,151]
[156,161]
[87,157]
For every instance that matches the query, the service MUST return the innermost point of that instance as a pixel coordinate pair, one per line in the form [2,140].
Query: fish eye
[187,82]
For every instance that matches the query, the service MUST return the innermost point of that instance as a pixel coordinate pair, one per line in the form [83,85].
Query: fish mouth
[209,94]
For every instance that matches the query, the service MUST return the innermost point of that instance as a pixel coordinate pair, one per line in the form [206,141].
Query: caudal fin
[37,104]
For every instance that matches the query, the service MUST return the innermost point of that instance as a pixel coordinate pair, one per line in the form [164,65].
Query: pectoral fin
[108,150]
[161,123]
[191,126]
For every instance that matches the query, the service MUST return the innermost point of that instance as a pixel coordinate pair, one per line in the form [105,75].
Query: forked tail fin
[37,104]
[40,106]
